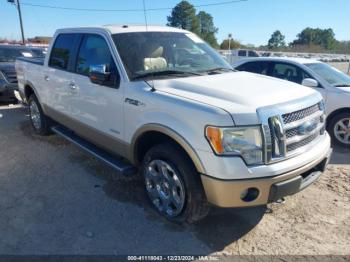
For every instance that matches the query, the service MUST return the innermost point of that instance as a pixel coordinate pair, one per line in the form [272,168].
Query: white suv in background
[333,84]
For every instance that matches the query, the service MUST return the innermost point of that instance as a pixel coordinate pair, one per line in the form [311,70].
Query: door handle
[47,78]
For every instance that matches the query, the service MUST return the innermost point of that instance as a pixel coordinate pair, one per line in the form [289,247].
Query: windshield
[167,54]
[10,54]
[332,75]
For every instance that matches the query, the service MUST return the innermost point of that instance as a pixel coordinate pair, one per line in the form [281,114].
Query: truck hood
[238,93]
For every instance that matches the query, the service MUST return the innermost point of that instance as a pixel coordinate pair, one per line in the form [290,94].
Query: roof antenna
[145,15]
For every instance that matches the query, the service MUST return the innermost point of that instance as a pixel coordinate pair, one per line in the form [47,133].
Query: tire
[339,129]
[40,122]
[176,192]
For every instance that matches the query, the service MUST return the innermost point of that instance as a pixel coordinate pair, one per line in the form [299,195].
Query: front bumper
[228,193]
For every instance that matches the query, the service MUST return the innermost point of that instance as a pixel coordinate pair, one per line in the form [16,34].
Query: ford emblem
[307,127]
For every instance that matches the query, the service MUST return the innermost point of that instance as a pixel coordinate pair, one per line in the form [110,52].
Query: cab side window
[252,54]
[288,72]
[62,51]
[95,53]
[255,67]
[242,53]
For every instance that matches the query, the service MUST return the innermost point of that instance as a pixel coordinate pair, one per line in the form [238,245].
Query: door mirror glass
[99,74]
[309,82]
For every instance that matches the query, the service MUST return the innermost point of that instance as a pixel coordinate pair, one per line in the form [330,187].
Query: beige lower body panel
[102,140]
[224,193]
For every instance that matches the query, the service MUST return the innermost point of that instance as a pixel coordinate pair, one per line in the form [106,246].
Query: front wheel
[339,129]
[173,184]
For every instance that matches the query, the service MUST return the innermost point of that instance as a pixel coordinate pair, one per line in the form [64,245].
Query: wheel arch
[336,112]
[144,137]
[29,89]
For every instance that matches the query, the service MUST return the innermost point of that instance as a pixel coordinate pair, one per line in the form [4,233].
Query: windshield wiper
[165,73]
[342,85]
[216,69]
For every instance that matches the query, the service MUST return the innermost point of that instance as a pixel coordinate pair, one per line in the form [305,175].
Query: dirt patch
[27,130]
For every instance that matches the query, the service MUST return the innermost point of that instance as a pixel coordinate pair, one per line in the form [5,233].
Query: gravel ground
[55,199]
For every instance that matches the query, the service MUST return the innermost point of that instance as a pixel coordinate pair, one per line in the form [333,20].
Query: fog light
[249,194]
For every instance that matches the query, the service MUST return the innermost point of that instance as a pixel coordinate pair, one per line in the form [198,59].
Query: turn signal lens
[214,135]
[245,141]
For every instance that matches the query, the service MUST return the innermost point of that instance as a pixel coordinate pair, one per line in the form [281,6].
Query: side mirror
[309,82]
[99,75]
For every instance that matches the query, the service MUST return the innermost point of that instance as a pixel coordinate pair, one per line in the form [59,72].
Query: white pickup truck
[160,101]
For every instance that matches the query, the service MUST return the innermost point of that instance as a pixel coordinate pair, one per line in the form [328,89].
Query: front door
[98,107]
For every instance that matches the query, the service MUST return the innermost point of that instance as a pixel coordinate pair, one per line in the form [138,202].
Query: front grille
[10,75]
[302,143]
[291,131]
[300,114]
[295,131]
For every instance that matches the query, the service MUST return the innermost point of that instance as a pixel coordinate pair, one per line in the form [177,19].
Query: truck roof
[129,28]
[278,59]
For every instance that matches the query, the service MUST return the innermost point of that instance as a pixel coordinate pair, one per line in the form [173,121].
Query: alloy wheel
[342,131]
[164,188]
[35,114]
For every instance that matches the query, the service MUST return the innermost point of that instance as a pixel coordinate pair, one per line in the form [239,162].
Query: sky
[251,21]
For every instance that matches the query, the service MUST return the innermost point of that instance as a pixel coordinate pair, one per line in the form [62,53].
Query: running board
[117,163]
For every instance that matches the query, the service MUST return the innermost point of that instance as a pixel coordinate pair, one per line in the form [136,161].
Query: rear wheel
[173,184]
[40,122]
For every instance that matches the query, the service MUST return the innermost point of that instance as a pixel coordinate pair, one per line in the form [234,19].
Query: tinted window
[10,54]
[287,72]
[252,54]
[255,67]
[94,53]
[62,51]
[242,52]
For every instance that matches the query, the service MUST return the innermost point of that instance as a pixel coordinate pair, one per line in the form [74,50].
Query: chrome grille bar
[287,131]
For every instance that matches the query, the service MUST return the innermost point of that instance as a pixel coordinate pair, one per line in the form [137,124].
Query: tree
[233,45]
[276,41]
[207,30]
[184,16]
[316,36]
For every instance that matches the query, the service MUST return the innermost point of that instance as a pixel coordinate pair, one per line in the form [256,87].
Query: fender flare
[173,135]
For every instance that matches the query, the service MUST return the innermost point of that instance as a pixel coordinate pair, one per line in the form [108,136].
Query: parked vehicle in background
[162,101]
[8,77]
[333,84]
[38,52]
[237,54]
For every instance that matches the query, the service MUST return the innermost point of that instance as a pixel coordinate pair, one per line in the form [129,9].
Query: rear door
[97,109]
[57,77]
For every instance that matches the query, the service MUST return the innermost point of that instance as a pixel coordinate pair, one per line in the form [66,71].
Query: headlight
[243,141]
